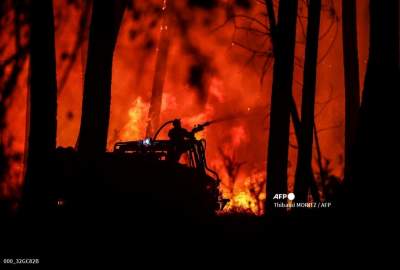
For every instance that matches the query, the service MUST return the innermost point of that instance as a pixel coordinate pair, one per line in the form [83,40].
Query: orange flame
[136,126]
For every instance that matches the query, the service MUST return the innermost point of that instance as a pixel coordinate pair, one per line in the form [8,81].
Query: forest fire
[212,72]
[195,127]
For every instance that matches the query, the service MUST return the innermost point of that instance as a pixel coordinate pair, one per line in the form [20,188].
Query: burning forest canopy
[218,66]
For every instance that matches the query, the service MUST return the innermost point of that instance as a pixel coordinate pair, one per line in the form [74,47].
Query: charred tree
[42,127]
[159,75]
[104,27]
[351,79]
[371,161]
[304,174]
[278,146]
[272,26]
[293,109]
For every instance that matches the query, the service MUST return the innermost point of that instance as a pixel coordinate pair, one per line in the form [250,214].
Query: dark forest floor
[117,205]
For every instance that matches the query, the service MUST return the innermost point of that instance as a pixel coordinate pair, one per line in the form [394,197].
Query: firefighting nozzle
[200,127]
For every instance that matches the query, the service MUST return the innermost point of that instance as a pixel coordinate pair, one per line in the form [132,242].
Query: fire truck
[137,179]
[194,160]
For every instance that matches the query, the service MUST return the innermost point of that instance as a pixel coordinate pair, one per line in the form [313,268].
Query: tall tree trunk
[351,79]
[293,109]
[278,146]
[104,27]
[41,133]
[304,174]
[272,28]
[371,160]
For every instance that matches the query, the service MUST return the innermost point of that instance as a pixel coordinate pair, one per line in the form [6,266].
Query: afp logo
[282,196]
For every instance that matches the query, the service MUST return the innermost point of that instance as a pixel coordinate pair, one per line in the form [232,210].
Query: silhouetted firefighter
[178,135]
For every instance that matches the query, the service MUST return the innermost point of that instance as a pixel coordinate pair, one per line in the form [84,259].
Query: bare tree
[278,145]
[304,174]
[232,167]
[293,110]
[351,79]
[42,128]
[104,27]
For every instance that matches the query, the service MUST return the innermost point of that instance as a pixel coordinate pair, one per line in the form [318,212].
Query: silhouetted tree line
[364,165]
